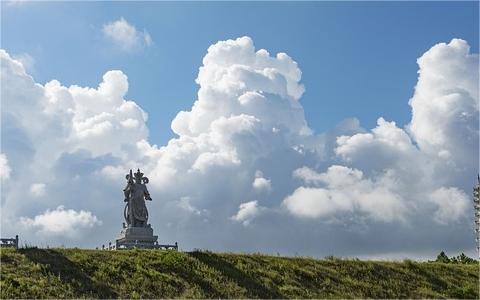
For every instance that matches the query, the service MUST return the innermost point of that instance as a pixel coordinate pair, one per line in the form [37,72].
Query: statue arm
[126,192]
[147,194]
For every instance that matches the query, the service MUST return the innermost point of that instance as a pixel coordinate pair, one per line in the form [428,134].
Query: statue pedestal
[136,237]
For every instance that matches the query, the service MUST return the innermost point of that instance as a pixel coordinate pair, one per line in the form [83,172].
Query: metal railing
[9,242]
[140,245]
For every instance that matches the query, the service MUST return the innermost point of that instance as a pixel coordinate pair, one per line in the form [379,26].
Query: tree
[443,258]
[463,259]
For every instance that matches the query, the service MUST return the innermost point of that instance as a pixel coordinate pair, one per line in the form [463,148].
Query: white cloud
[37,189]
[130,123]
[232,72]
[247,212]
[445,117]
[261,184]
[345,191]
[386,139]
[452,204]
[307,175]
[4,167]
[126,36]
[102,120]
[244,94]
[68,223]
[445,104]
[26,60]
[444,127]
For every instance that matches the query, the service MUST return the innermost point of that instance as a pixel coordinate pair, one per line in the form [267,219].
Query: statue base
[136,237]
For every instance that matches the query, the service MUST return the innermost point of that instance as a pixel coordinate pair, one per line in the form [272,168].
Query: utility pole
[476,205]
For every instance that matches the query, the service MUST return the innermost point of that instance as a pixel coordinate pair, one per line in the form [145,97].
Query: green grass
[75,273]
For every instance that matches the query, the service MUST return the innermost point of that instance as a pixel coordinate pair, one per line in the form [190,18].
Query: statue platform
[136,237]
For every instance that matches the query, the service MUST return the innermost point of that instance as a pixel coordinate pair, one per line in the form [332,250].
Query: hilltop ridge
[76,273]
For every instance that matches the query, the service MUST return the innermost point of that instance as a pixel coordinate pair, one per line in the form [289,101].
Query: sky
[353,133]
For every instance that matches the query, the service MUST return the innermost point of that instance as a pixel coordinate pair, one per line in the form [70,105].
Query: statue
[136,232]
[136,213]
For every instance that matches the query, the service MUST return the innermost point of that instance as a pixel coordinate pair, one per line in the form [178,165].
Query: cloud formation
[246,212]
[27,61]
[125,36]
[407,174]
[61,221]
[245,166]
[261,184]
[345,191]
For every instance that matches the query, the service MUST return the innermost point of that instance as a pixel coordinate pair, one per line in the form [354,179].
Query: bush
[460,259]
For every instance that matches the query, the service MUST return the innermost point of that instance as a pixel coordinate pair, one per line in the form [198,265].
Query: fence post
[16,242]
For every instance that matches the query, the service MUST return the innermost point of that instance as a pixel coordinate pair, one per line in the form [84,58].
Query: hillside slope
[74,273]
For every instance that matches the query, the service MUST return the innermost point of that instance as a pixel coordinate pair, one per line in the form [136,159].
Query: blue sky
[358,59]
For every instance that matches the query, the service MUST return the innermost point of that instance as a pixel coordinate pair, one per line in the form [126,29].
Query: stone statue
[136,213]
[136,233]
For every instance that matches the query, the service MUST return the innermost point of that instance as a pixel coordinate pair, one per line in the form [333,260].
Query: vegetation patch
[76,273]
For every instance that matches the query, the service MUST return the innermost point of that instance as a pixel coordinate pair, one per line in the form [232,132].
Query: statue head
[138,176]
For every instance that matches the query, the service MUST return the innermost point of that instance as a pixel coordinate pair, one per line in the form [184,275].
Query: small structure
[137,233]
[9,242]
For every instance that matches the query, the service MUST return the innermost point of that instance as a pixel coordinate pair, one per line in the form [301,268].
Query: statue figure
[136,213]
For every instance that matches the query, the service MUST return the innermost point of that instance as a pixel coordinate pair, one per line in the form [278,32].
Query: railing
[138,244]
[9,242]
[166,246]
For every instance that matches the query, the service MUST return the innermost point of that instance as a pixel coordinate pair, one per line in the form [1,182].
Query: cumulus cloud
[63,222]
[247,212]
[445,104]
[246,137]
[439,147]
[98,115]
[126,36]
[244,81]
[404,176]
[381,148]
[345,191]
[452,204]
[27,61]
[261,184]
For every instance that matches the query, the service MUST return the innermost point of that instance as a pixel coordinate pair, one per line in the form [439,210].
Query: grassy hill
[74,273]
